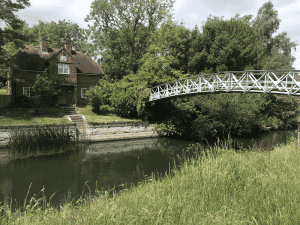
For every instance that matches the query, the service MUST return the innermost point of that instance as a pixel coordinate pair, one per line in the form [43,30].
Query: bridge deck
[286,82]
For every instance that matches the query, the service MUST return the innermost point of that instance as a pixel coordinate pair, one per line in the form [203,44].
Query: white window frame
[63,68]
[83,94]
[63,58]
[26,91]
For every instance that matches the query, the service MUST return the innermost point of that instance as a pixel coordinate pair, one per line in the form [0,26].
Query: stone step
[80,125]
[70,110]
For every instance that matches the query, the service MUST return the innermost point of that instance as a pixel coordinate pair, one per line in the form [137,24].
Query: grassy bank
[248,188]
[20,116]
[93,117]
[26,116]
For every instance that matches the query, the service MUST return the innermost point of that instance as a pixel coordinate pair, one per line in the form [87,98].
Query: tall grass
[42,140]
[255,187]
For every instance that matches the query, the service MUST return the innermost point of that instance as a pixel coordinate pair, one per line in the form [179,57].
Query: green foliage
[99,97]
[44,92]
[224,45]
[172,52]
[7,35]
[266,23]
[162,61]
[7,9]
[212,116]
[280,112]
[129,102]
[24,101]
[280,54]
[56,34]
[124,98]
[121,32]
[41,140]
[277,50]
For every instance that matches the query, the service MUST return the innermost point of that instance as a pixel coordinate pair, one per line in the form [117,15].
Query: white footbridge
[286,82]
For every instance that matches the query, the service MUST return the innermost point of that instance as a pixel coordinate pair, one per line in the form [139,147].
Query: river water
[103,165]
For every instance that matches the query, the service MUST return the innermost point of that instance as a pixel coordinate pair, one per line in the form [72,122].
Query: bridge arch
[284,82]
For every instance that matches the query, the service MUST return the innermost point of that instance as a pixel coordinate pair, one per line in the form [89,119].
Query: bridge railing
[258,81]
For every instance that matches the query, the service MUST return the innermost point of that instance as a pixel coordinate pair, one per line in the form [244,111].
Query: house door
[66,96]
[69,95]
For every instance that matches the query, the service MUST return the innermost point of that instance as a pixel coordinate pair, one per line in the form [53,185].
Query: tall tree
[280,56]
[121,30]
[166,57]
[7,9]
[277,49]
[266,23]
[224,45]
[56,34]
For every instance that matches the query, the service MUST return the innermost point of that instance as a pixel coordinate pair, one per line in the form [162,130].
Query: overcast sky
[191,12]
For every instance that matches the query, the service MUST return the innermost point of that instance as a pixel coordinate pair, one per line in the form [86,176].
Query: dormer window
[63,68]
[63,58]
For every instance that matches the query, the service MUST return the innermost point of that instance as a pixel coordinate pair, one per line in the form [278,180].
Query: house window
[26,91]
[83,90]
[63,58]
[63,68]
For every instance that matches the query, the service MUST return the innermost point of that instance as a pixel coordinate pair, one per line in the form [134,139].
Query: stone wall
[119,130]
[95,131]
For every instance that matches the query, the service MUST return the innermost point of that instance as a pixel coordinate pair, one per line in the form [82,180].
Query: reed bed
[42,140]
[217,186]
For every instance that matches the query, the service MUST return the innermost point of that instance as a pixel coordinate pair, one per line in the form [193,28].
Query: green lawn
[247,188]
[25,116]
[20,116]
[92,117]
[3,91]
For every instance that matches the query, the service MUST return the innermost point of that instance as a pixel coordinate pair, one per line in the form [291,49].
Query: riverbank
[248,188]
[95,132]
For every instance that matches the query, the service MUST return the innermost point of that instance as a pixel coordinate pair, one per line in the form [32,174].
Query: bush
[100,96]
[123,97]
[24,101]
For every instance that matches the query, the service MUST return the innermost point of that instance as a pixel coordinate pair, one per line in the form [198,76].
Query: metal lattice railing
[254,81]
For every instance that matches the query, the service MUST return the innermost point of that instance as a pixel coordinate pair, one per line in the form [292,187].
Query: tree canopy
[121,30]
[7,9]
[56,34]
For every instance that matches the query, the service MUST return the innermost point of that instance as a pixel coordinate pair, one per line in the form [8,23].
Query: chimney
[68,45]
[43,45]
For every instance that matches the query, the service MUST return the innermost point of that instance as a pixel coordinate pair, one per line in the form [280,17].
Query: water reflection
[103,165]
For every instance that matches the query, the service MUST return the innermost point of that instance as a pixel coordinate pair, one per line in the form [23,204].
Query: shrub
[100,96]
[24,101]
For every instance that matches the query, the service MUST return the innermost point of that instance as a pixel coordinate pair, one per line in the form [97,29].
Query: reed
[41,140]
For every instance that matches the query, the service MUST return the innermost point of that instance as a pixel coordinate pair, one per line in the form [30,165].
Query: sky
[190,12]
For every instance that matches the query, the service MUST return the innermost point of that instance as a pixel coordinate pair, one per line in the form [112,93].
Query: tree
[121,30]
[266,23]
[7,9]
[166,55]
[224,45]
[44,91]
[277,49]
[56,34]
[280,56]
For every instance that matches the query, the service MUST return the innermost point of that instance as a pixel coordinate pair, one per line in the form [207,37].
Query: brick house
[73,72]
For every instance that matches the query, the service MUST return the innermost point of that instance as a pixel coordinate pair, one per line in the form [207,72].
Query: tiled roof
[85,63]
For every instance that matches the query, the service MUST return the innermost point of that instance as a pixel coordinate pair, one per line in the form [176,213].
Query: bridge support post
[298,139]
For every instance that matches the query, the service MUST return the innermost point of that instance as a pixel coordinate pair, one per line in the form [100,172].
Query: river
[103,165]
